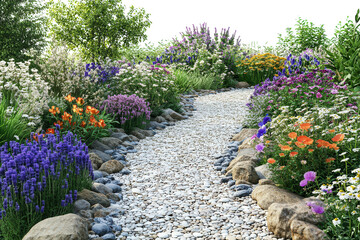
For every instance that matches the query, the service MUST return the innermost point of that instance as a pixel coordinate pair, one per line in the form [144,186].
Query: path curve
[173,191]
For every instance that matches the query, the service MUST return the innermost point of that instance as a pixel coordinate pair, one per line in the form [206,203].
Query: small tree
[306,35]
[97,28]
[21,28]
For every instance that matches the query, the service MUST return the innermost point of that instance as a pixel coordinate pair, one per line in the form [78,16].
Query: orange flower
[267,141]
[305,126]
[91,110]
[59,123]
[281,168]
[83,124]
[66,117]
[332,130]
[69,98]
[338,138]
[102,123]
[322,143]
[281,154]
[329,160]
[280,145]
[54,110]
[293,154]
[305,140]
[271,160]
[286,148]
[77,110]
[289,142]
[80,101]
[300,144]
[333,146]
[92,119]
[50,131]
[292,135]
[310,150]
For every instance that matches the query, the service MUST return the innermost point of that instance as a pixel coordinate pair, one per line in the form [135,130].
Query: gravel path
[173,191]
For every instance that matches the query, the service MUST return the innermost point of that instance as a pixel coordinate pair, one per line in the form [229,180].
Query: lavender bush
[40,179]
[130,111]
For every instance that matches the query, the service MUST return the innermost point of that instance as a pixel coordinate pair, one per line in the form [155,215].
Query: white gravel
[173,191]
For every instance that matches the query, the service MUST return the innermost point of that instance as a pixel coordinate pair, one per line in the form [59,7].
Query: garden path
[173,191]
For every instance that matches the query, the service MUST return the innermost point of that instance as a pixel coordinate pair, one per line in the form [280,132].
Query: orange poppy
[69,98]
[305,140]
[338,138]
[267,141]
[271,160]
[305,126]
[310,150]
[300,144]
[332,130]
[329,160]
[292,135]
[281,154]
[54,110]
[289,142]
[322,143]
[80,101]
[50,131]
[286,148]
[293,154]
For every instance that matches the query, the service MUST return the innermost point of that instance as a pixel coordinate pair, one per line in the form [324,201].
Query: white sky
[255,20]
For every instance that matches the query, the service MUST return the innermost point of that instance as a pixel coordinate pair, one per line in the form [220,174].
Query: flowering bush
[259,67]
[40,179]
[66,76]
[130,111]
[300,64]
[87,122]
[21,86]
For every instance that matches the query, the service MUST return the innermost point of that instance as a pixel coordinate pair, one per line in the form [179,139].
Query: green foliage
[188,80]
[97,28]
[344,59]
[21,28]
[12,124]
[306,35]
[137,54]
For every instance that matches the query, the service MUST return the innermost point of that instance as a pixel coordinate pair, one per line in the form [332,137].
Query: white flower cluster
[25,88]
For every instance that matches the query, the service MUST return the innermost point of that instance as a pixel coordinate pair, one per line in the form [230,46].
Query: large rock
[244,133]
[247,151]
[265,195]
[241,158]
[101,188]
[104,156]
[137,134]
[242,85]
[160,119]
[301,230]
[94,197]
[112,142]
[99,146]
[147,133]
[263,171]
[172,114]
[96,161]
[112,166]
[65,227]
[121,136]
[81,204]
[280,217]
[244,171]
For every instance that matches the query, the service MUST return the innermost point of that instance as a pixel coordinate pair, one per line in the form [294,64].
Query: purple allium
[310,176]
[260,147]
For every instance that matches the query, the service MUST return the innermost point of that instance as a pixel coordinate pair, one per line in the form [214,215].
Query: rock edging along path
[173,191]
